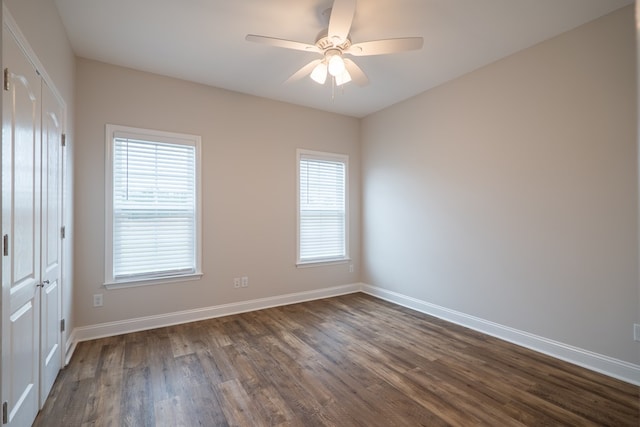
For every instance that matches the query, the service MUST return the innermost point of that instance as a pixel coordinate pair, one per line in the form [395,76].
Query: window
[153,207]
[322,207]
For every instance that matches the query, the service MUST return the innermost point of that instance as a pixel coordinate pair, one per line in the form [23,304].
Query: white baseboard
[606,365]
[70,347]
[615,368]
[85,333]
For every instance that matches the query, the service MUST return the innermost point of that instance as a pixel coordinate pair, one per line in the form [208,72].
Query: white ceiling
[203,41]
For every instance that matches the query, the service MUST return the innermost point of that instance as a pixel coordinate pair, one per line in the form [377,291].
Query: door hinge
[5,410]
[63,139]
[6,79]
[63,232]
[62,325]
[5,245]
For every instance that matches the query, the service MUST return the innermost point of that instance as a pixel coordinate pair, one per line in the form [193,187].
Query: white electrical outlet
[636,332]
[236,282]
[350,268]
[97,300]
[245,281]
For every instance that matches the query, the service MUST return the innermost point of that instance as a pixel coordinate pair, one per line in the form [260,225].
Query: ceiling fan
[334,43]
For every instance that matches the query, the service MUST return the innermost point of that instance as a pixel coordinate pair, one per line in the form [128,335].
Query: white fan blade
[287,44]
[340,21]
[304,71]
[381,47]
[357,75]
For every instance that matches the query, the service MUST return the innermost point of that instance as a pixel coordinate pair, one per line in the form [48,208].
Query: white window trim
[323,156]
[160,136]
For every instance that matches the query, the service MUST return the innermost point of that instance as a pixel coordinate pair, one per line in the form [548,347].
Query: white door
[21,235]
[50,302]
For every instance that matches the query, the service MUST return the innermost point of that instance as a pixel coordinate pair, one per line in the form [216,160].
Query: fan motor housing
[323,42]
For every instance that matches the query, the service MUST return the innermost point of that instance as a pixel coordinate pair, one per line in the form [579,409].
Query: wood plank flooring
[352,360]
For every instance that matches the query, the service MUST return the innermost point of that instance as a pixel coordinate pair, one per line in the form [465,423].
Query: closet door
[21,163]
[50,303]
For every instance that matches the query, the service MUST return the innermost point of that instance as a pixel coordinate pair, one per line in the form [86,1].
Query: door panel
[22,324]
[21,223]
[51,337]
[50,348]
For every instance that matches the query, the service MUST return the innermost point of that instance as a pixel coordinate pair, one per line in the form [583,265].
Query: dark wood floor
[348,361]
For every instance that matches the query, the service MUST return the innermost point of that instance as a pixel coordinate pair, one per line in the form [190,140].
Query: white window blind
[322,207]
[154,224]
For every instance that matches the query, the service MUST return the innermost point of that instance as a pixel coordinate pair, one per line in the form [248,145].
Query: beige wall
[510,193]
[248,179]
[41,25]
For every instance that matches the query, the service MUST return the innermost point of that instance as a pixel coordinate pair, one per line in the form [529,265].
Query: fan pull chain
[333,88]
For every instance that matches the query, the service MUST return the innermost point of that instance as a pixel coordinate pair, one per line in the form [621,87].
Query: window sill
[155,281]
[322,263]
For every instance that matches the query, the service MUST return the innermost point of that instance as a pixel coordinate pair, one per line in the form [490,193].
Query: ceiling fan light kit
[335,64]
[319,73]
[335,67]
[334,43]
[343,78]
